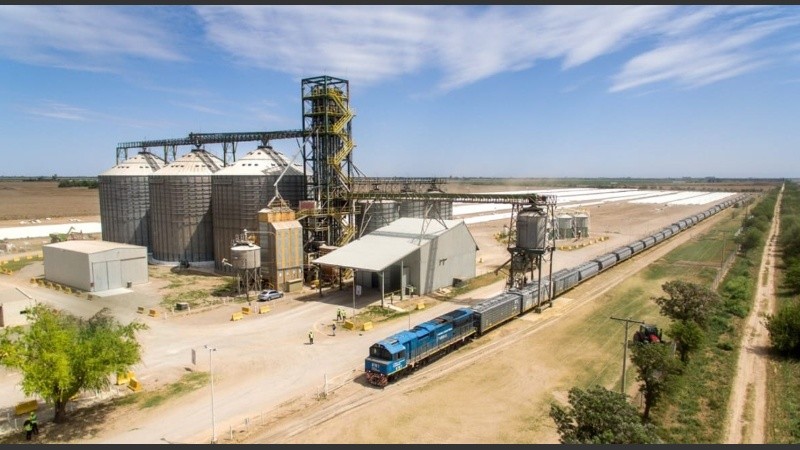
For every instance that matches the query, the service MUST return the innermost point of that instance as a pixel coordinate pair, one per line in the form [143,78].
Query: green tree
[59,354]
[784,329]
[791,276]
[688,337]
[656,368]
[750,238]
[600,416]
[687,301]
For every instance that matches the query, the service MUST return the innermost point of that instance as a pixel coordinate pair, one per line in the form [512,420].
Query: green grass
[694,410]
[190,381]
[15,266]
[783,411]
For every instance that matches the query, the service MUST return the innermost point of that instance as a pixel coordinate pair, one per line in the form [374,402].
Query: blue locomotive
[405,351]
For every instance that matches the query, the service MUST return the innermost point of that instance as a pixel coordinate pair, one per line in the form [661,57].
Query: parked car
[269,294]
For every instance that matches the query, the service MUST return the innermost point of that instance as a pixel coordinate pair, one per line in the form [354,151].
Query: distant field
[28,200]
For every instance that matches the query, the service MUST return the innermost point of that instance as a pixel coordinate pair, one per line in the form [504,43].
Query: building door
[100,276]
[114,274]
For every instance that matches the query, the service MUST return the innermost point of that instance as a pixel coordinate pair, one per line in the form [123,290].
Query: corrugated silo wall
[416,209]
[180,218]
[236,200]
[377,215]
[125,209]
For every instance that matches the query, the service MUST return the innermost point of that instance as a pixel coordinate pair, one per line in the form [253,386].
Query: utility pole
[625,349]
[211,371]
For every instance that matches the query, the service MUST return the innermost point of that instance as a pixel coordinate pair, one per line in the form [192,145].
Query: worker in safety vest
[34,422]
[310,336]
[28,429]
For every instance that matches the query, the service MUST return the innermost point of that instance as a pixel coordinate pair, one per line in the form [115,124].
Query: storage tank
[581,223]
[565,226]
[180,208]
[240,190]
[125,200]
[373,214]
[245,255]
[532,230]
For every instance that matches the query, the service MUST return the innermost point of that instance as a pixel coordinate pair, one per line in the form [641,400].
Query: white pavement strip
[567,198]
[578,197]
[45,230]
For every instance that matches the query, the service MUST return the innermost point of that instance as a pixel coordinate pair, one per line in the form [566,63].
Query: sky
[642,91]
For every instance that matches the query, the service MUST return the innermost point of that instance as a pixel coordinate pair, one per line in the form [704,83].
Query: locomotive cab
[386,358]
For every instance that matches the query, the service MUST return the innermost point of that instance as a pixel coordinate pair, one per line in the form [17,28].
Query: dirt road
[747,407]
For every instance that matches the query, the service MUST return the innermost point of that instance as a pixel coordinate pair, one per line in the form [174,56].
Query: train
[405,351]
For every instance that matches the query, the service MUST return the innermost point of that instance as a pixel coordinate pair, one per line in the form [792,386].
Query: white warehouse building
[424,253]
[95,266]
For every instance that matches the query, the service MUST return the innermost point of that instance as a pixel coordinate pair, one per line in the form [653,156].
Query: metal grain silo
[125,200]
[581,222]
[241,190]
[435,208]
[532,230]
[180,208]
[374,214]
[564,224]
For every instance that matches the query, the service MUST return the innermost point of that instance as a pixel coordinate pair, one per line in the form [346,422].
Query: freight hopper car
[407,350]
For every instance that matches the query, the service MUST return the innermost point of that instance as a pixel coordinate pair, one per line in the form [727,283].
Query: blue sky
[438,90]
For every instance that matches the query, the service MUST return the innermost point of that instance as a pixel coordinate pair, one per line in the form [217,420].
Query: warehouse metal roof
[376,251]
[92,246]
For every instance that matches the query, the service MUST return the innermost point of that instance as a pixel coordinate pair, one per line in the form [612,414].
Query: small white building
[94,266]
[424,253]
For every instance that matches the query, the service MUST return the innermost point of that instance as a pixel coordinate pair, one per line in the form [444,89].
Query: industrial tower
[327,128]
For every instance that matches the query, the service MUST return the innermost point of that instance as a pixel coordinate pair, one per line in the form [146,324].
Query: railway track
[308,412]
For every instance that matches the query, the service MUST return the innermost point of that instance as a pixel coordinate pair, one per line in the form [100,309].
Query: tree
[656,367]
[791,276]
[750,239]
[784,329]
[688,337]
[600,416]
[687,301]
[59,354]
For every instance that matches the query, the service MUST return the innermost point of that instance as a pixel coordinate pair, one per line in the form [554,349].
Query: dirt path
[747,410]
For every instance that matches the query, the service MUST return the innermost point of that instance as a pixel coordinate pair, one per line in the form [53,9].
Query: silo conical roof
[262,161]
[143,163]
[196,162]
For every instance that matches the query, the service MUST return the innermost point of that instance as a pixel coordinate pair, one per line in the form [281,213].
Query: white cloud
[54,110]
[80,36]
[364,43]
[688,45]
[701,59]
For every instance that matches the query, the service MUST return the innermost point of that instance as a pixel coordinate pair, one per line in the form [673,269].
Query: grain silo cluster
[217,212]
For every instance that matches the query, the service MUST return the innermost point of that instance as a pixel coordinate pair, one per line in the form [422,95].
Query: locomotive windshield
[378,351]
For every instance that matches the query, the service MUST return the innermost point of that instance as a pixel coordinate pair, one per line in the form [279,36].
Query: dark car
[269,294]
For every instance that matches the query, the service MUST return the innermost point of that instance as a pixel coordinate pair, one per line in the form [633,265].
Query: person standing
[334,329]
[311,336]
[28,429]
[34,422]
